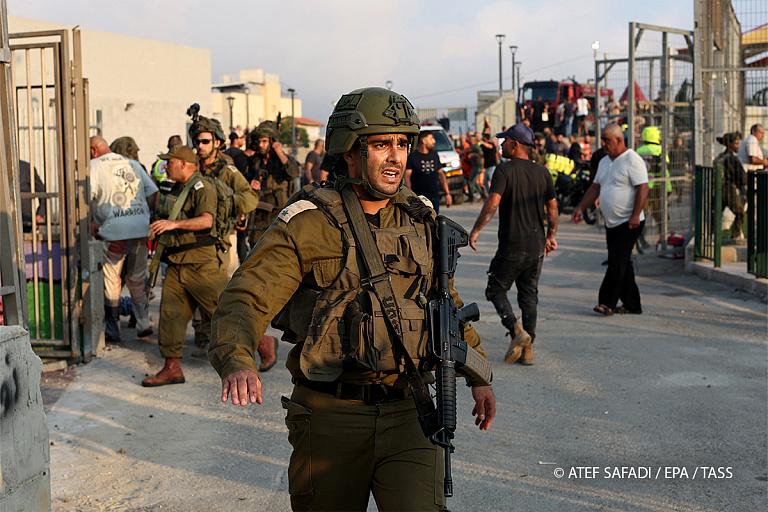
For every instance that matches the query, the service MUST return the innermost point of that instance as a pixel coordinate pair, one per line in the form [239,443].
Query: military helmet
[651,134]
[207,124]
[126,147]
[369,111]
[266,129]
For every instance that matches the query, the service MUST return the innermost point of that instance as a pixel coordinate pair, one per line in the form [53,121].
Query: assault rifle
[447,347]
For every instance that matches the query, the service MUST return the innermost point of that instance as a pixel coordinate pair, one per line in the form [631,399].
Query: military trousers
[732,200]
[185,288]
[344,450]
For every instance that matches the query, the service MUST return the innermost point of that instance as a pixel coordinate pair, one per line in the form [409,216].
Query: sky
[438,53]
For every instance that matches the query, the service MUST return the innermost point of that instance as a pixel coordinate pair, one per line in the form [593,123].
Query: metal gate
[50,102]
[653,86]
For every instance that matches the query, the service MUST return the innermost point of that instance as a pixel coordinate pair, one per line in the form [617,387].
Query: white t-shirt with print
[119,189]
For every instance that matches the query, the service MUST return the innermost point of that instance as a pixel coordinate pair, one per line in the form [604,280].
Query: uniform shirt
[304,249]
[119,188]
[424,169]
[524,187]
[200,199]
[618,179]
[733,172]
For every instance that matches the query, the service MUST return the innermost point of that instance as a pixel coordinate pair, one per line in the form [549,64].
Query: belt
[370,394]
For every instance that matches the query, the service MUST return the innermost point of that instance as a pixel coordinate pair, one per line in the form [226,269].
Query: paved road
[635,410]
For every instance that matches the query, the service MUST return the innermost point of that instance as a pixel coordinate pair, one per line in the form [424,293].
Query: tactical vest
[165,202]
[340,322]
[225,219]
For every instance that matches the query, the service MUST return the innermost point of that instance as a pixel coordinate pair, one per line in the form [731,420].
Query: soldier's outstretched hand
[485,406]
[243,385]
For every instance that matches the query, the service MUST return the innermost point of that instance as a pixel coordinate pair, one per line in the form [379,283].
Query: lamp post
[231,101]
[247,91]
[500,38]
[512,50]
[389,84]
[595,47]
[293,125]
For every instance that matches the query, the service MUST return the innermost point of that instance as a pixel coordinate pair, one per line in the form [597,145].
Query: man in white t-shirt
[122,195]
[621,184]
[750,154]
[582,111]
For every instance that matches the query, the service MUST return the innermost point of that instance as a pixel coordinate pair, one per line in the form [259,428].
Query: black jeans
[523,269]
[619,280]
[242,245]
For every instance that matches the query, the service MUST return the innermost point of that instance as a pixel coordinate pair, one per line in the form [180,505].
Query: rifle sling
[175,211]
[379,280]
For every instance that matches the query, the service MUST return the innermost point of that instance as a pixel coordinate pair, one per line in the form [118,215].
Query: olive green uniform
[733,180]
[303,273]
[277,187]
[194,276]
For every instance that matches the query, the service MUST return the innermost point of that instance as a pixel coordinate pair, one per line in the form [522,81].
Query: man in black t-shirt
[424,174]
[520,189]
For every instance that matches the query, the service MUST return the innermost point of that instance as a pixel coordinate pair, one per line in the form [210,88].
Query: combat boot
[520,340]
[527,357]
[170,374]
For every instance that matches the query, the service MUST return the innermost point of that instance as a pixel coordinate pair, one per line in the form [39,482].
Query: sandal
[603,310]
[624,311]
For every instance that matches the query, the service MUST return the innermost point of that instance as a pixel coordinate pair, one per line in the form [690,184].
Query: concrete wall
[142,88]
[25,480]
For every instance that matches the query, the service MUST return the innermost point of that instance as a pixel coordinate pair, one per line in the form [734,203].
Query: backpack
[224,221]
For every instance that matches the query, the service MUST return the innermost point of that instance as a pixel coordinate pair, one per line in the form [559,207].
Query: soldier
[650,151]
[307,267]
[733,179]
[195,276]
[208,139]
[271,172]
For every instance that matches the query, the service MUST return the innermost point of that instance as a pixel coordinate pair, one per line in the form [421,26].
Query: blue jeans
[487,178]
[523,269]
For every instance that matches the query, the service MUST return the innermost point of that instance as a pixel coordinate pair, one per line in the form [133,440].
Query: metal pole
[500,39]
[598,127]
[293,125]
[631,87]
[666,136]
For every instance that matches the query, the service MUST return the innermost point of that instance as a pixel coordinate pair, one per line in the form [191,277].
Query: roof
[308,122]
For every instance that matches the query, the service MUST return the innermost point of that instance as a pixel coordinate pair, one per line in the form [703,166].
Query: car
[450,160]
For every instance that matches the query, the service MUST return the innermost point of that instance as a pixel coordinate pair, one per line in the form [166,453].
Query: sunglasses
[202,141]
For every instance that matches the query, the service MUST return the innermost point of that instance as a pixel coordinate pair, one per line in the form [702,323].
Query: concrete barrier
[25,478]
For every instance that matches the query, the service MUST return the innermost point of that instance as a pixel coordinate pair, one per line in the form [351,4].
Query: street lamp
[231,101]
[293,125]
[500,38]
[595,47]
[389,84]
[247,91]
[512,50]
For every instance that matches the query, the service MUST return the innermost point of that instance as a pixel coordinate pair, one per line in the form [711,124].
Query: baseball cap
[520,133]
[181,152]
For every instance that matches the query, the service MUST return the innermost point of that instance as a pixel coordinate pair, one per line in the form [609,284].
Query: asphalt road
[656,412]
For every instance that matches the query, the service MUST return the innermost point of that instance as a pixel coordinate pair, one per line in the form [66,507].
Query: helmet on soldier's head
[651,134]
[207,124]
[266,129]
[369,111]
[126,147]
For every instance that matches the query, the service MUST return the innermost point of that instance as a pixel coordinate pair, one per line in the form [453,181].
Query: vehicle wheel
[590,215]
[458,198]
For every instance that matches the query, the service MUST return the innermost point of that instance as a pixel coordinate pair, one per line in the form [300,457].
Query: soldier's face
[205,144]
[174,169]
[263,145]
[387,155]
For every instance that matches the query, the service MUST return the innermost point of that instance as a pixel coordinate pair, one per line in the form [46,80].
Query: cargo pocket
[297,419]
[370,339]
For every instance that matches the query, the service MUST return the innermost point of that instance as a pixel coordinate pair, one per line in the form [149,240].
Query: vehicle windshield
[442,142]
[547,92]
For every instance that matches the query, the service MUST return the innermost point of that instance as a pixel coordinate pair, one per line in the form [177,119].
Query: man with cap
[194,277]
[122,197]
[352,419]
[728,163]
[521,189]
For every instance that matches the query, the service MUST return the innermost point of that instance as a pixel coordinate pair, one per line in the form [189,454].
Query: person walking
[522,189]
[351,417]
[734,179]
[621,184]
[424,174]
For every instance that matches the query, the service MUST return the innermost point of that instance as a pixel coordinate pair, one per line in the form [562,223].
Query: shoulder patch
[198,185]
[296,208]
[427,201]
[233,168]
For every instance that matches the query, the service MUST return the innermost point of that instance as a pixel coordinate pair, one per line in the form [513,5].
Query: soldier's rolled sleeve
[245,199]
[291,168]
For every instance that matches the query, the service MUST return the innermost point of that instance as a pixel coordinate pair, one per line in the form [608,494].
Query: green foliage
[302,138]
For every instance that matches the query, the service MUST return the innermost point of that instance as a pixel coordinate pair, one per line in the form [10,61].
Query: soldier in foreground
[194,277]
[352,419]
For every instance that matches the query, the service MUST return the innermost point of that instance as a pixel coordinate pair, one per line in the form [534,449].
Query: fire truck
[554,93]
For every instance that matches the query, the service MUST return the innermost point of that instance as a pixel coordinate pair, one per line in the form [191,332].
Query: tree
[302,138]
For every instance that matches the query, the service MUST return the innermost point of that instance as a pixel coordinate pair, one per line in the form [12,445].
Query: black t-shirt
[524,187]
[424,176]
[239,157]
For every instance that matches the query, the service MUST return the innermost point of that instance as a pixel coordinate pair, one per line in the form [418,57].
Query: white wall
[160,79]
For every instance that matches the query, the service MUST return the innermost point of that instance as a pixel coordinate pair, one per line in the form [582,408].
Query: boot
[267,352]
[527,357]
[520,340]
[170,374]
